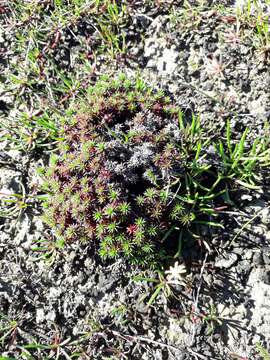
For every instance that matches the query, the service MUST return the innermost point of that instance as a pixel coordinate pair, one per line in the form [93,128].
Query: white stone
[168,62]
[40,315]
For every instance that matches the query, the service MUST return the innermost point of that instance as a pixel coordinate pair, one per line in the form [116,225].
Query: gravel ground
[71,299]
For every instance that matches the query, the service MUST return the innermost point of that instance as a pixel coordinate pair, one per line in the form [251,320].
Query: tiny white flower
[175,275]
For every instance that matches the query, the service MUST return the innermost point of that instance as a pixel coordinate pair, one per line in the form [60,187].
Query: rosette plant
[129,173]
[111,181]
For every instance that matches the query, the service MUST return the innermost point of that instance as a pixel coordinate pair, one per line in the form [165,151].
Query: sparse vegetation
[155,215]
[263,352]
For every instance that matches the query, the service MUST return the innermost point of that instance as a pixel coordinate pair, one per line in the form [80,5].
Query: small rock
[51,316]
[40,315]
[150,48]
[248,254]
[168,62]
[151,63]
[266,257]
[244,267]
[265,216]
[258,258]
[246,197]
[226,261]
[23,230]
[266,277]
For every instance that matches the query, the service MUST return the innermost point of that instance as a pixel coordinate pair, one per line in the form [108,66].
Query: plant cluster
[50,50]
[131,172]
